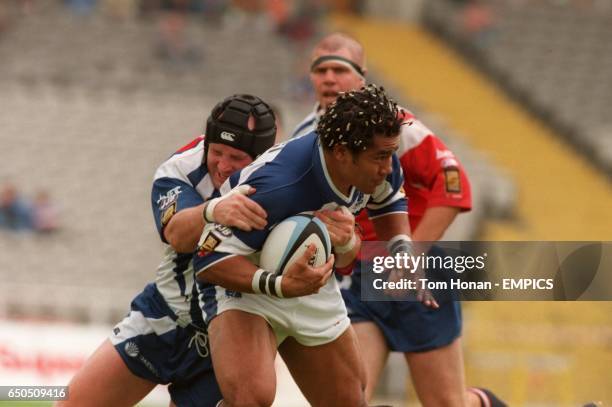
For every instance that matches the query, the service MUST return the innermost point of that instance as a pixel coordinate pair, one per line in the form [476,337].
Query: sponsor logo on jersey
[164,201]
[168,214]
[453,181]
[211,241]
[225,135]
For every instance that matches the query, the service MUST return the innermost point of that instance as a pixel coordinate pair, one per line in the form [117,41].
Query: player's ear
[365,73]
[340,152]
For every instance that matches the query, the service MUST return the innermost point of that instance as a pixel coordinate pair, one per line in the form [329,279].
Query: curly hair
[356,117]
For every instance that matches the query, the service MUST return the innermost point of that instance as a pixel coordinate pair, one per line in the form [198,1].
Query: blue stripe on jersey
[181,262]
[197,175]
[186,197]
[194,308]
[152,304]
[208,294]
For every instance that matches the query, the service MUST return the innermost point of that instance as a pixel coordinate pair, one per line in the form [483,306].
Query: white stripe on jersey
[180,165]
[168,286]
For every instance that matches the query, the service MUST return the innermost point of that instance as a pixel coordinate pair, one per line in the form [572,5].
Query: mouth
[330,94]
[220,177]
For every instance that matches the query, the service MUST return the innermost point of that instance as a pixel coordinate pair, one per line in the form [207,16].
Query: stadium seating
[554,56]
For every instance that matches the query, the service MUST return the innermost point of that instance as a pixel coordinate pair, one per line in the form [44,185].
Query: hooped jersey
[180,182]
[292,178]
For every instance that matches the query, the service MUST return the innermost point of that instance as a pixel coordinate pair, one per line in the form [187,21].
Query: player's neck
[335,173]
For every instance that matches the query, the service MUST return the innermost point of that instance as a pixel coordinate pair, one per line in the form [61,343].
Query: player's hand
[303,279]
[238,210]
[340,225]
[423,295]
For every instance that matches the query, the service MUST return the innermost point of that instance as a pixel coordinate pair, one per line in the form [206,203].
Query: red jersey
[433,176]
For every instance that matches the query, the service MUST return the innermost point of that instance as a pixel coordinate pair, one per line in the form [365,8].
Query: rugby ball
[288,240]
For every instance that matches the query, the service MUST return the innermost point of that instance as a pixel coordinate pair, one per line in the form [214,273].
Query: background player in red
[438,189]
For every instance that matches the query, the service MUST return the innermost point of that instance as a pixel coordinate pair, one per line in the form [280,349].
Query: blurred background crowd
[94,94]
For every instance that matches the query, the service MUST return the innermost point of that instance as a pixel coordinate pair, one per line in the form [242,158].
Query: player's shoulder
[306,126]
[282,167]
[417,138]
[183,162]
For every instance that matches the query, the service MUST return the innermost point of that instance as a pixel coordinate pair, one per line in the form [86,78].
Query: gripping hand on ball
[303,279]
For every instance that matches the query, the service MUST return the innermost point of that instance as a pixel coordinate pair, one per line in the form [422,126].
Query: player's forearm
[345,259]
[184,229]
[434,223]
[234,273]
[391,225]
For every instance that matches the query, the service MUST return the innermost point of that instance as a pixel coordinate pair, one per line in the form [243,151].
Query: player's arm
[434,223]
[235,209]
[391,225]
[237,273]
[432,165]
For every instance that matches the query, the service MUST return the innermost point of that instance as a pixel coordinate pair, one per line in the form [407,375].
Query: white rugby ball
[289,239]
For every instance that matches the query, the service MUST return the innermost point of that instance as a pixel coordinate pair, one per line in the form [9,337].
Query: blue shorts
[155,348]
[408,326]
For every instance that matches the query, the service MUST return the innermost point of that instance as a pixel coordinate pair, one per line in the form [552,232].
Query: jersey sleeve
[432,166]
[169,196]
[219,242]
[389,197]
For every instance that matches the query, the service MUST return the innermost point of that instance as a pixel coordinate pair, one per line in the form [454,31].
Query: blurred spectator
[4,18]
[81,7]
[478,23]
[120,10]
[278,11]
[299,26]
[174,46]
[45,214]
[11,11]
[15,212]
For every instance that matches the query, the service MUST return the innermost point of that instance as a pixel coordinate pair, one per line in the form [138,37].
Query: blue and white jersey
[309,123]
[292,178]
[180,182]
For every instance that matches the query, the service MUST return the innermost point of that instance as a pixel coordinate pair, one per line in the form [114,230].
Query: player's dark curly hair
[355,117]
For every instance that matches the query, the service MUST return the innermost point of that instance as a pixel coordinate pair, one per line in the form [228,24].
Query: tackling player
[163,339]
[437,189]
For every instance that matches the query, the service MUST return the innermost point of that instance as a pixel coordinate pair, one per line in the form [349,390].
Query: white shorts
[312,320]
